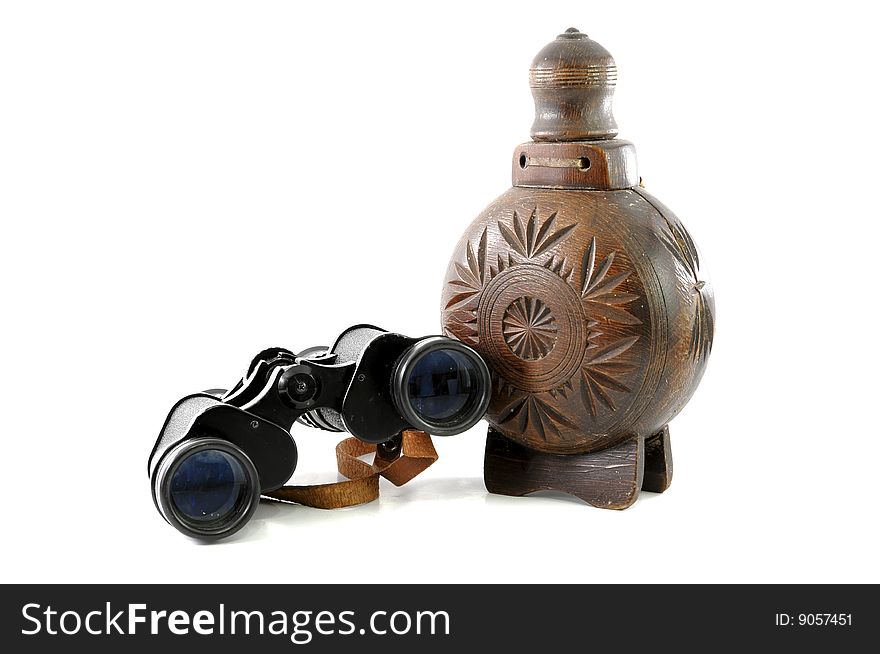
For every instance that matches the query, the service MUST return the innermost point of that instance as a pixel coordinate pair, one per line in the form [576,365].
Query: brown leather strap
[415,454]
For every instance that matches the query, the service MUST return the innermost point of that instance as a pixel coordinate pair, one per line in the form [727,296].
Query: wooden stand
[658,462]
[608,479]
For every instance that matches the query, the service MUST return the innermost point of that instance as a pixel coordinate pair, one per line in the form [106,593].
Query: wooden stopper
[572,81]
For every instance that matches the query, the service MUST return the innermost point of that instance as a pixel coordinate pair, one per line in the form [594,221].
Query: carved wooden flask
[586,296]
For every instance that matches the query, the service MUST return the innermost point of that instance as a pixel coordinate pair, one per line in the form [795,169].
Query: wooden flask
[586,296]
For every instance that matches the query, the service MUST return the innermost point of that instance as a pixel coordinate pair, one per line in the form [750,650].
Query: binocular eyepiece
[218,451]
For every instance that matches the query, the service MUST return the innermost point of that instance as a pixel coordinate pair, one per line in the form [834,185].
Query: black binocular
[218,451]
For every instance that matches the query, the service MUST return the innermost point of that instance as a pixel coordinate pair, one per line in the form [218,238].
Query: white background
[185,183]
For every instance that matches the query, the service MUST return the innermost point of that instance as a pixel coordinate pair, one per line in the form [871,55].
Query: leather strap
[398,465]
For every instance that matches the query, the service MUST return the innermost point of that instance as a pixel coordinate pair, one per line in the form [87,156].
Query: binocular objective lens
[209,486]
[442,385]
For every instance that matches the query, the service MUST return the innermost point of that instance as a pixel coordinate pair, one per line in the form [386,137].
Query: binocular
[218,451]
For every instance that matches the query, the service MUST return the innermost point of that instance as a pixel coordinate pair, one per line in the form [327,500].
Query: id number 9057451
[814,619]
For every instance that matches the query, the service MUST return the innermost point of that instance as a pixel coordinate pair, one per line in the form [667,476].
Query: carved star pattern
[530,330]
[680,244]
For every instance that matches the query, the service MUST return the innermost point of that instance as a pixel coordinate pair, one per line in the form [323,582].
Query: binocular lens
[208,487]
[441,385]
[445,386]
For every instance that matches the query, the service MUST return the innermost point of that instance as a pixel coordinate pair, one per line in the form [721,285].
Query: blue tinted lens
[208,486]
[442,385]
